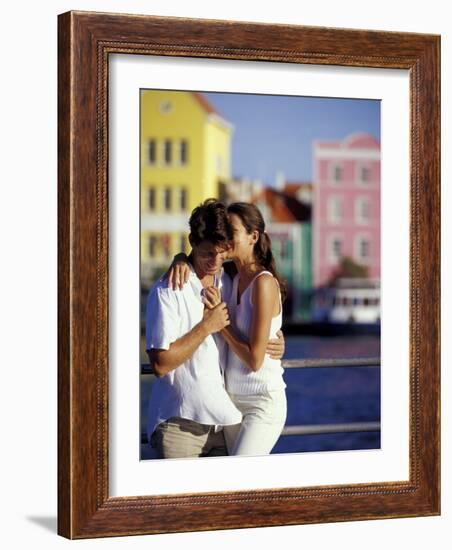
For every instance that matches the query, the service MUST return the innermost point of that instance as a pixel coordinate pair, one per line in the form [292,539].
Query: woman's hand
[178,272]
[276,347]
[211,297]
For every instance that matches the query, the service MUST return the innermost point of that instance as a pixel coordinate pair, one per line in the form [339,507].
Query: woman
[253,377]
[254,380]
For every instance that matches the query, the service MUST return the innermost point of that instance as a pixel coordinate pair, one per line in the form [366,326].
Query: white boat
[349,301]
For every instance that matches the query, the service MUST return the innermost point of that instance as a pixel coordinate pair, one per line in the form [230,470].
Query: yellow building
[185,158]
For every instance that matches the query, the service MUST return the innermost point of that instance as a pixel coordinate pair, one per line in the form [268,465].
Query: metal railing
[310,363]
[316,429]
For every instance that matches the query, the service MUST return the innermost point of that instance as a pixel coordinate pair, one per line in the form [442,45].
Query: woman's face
[243,242]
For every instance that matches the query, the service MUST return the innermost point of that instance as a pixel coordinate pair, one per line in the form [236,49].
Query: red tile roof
[202,100]
[292,187]
[284,208]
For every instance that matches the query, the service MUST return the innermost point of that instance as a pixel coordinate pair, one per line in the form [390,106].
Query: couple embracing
[213,338]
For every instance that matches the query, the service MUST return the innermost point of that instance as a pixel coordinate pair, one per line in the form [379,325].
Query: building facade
[185,158]
[240,189]
[346,206]
[288,223]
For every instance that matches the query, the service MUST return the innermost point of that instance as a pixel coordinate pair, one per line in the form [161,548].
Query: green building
[288,223]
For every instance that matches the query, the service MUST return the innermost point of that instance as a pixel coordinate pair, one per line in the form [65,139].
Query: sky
[275,133]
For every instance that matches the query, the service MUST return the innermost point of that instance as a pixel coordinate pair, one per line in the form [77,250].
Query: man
[189,404]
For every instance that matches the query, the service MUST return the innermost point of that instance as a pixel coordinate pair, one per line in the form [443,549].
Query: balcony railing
[315,429]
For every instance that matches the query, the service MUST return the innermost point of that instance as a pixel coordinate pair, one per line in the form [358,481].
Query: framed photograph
[333,136]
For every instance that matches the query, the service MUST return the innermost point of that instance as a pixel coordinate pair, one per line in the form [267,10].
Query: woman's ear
[254,236]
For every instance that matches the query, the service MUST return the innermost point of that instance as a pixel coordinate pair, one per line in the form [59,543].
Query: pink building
[346,205]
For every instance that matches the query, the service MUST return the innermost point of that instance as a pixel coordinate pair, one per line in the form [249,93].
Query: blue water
[331,395]
[323,395]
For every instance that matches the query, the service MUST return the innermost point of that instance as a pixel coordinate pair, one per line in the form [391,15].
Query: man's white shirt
[194,390]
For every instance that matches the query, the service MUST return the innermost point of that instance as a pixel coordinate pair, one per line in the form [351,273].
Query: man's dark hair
[209,222]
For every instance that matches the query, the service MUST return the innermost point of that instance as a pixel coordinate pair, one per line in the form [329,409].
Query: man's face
[208,258]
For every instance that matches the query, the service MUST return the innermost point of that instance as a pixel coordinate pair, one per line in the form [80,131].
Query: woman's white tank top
[240,379]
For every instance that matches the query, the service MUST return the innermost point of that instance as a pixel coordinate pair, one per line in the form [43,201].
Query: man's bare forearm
[164,361]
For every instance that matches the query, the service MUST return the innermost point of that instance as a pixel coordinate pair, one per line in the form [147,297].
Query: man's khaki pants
[182,438]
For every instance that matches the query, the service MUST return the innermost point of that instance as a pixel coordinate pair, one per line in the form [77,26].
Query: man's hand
[178,272]
[211,297]
[216,319]
[276,347]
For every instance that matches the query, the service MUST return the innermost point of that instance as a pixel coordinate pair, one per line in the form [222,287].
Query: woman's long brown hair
[253,220]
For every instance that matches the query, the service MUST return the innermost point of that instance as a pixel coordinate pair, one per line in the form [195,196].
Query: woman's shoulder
[265,289]
[264,275]
[264,282]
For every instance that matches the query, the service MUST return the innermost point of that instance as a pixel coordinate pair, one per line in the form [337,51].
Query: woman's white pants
[264,416]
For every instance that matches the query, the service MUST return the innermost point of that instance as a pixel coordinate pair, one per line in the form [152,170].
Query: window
[183,152]
[183,199]
[282,249]
[165,242]
[362,249]
[335,249]
[167,151]
[166,106]
[152,151]
[335,213]
[364,174]
[167,199]
[151,245]
[151,198]
[362,208]
[183,244]
[338,173]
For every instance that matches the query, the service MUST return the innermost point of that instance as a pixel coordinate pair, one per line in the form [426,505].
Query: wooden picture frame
[85,42]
